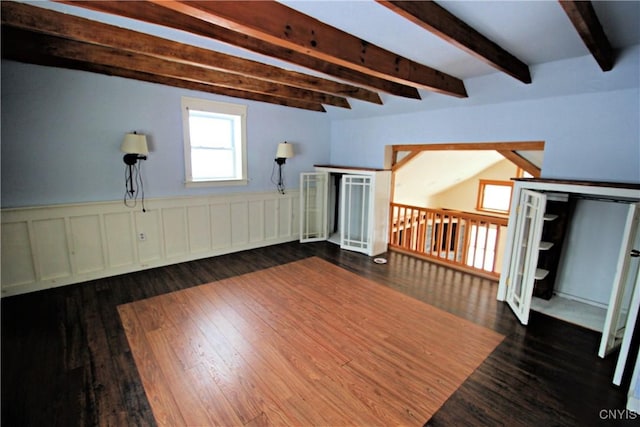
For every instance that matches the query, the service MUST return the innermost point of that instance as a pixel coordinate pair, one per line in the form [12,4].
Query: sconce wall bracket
[131,159]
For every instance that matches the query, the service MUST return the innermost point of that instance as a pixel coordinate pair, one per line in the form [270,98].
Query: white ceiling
[432,172]
[436,171]
[536,32]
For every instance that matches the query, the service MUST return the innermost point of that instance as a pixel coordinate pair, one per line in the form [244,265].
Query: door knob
[635,253]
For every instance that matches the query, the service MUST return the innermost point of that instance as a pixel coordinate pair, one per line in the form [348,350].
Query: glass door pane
[622,289]
[356,205]
[523,264]
[313,206]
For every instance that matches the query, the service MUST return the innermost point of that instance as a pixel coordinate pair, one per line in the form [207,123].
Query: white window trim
[215,107]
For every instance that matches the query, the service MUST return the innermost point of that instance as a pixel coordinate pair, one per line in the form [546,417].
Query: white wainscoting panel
[256,220]
[48,246]
[199,228]
[271,210]
[148,224]
[87,252]
[239,223]
[288,208]
[220,220]
[22,271]
[52,249]
[174,228]
[121,251]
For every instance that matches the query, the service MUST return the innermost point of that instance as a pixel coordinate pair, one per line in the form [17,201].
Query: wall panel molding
[57,245]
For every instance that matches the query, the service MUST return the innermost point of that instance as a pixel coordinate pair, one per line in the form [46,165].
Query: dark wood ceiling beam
[68,26]
[49,61]
[520,162]
[154,14]
[586,22]
[397,164]
[437,20]
[79,51]
[278,24]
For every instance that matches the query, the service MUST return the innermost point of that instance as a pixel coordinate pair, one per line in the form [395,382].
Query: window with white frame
[214,142]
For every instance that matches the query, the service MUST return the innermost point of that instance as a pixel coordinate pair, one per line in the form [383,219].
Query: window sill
[496,212]
[217,183]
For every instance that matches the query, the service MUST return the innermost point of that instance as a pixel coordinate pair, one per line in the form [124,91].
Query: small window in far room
[494,196]
[214,142]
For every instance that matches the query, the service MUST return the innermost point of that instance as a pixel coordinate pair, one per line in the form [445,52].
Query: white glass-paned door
[622,290]
[356,213]
[522,270]
[313,206]
[632,317]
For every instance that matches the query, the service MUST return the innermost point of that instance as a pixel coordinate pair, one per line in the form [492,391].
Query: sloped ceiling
[346,58]
[435,171]
[533,156]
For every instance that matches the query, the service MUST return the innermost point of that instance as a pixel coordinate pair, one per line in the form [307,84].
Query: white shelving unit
[540,273]
[363,206]
[545,246]
[614,217]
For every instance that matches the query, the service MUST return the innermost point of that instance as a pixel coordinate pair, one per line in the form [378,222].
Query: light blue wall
[589,120]
[62,129]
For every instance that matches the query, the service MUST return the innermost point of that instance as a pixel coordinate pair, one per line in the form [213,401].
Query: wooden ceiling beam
[50,61]
[505,145]
[280,25]
[521,162]
[586,22]
[397,164]
[18,39]
[37,19]
[155,14]
[437,20]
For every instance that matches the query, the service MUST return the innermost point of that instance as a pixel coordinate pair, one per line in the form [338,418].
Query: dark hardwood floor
[66,361]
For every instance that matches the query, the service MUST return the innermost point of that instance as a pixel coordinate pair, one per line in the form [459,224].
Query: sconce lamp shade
[134,143]
[285,151]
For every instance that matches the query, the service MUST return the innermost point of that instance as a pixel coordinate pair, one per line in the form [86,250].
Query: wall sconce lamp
[284,152]
[135,148]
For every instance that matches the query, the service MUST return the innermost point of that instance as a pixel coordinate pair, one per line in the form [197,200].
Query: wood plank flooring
[65,359]
[304,343]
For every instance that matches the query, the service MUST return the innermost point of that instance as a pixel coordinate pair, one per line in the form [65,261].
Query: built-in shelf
[541,273]
[545,246]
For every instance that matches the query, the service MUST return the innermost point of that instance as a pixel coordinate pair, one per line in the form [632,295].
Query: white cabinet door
[522,271]
[623,282]
[356,205]
[313,206]
[632,316]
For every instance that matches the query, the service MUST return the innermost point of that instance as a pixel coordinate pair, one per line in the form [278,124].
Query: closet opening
[577,260]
